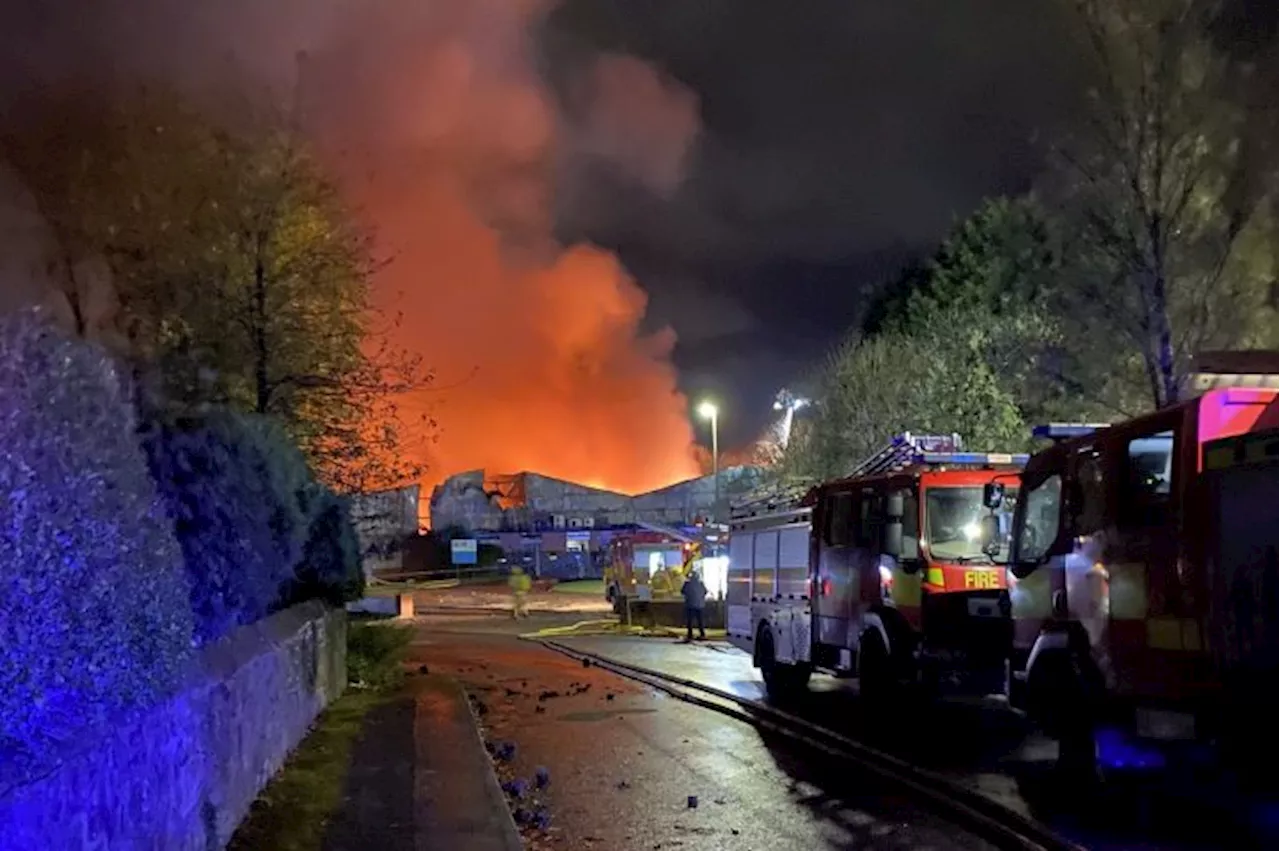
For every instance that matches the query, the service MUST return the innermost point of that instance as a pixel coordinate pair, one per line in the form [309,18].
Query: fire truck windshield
[953,518]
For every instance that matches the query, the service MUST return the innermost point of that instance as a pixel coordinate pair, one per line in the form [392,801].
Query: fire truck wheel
[1058,699]
[875,671]
[780,680]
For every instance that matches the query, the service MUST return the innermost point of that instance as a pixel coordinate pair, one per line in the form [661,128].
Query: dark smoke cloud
[840,140]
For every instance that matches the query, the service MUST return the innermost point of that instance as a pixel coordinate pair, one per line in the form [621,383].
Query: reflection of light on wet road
[718,665]
[626,758]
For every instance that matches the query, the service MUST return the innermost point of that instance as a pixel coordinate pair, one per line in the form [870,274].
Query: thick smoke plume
[435,118]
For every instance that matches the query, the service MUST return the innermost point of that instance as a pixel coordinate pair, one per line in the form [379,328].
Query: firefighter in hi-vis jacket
[520,585]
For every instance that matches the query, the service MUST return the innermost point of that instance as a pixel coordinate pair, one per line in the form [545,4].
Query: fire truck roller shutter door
[793,562]
[738,595]
[764,585]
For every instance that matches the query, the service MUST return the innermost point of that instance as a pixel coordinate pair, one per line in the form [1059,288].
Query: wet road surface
[980,743]
[622,768]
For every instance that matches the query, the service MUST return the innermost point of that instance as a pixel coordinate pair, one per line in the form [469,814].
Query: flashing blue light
[988,458]
[1065,431]
[1118,752]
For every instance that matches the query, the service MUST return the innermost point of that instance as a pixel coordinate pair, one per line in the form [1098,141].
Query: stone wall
[183,774]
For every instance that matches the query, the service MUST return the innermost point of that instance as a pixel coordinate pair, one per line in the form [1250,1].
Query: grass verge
[294,810]
[595,587]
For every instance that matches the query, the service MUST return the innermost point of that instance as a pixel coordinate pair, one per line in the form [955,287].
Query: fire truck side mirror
[993,495]
[895,506]
[989,533]
[892,543]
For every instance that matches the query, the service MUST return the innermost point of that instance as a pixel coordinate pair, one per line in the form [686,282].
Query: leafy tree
[241,276]
[935,380]
[1001,259]
[1173,231]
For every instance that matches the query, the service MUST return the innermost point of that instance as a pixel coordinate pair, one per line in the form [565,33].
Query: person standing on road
[695,596]
[520,585]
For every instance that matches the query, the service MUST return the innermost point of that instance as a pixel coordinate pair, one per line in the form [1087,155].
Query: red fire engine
[880,575]
[1143,565]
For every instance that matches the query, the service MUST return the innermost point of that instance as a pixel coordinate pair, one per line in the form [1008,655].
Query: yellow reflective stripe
[935,576]
[1219,457]
[906,589]
[1128,591]
[1245,449]
[1173,634]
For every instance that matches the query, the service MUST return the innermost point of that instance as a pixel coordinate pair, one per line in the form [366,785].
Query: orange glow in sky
[448,141]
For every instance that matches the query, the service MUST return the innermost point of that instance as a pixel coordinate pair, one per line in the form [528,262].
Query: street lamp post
[708,411]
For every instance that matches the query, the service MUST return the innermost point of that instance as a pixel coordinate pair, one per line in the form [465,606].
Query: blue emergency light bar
[985,458]
[1066,431]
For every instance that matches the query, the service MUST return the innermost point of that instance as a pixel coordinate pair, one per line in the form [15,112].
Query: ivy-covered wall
[182,774]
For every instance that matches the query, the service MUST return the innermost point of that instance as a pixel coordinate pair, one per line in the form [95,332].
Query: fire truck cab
[881,575]
[1134,547]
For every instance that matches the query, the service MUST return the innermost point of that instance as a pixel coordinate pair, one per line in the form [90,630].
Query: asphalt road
[982,744]
[622,768]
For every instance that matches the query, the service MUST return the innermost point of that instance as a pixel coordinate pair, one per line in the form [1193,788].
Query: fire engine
[651,562]
[1143,574]
[881,575]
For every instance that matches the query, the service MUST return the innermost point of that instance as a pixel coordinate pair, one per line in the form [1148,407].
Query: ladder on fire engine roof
[782,499]
[909,450]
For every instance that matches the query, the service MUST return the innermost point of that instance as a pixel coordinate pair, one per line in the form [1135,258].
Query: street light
[708,411]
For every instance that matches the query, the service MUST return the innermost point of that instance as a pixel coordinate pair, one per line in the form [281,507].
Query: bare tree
[1172,237]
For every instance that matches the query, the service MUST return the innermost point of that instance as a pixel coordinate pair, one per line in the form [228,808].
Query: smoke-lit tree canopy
[228,266]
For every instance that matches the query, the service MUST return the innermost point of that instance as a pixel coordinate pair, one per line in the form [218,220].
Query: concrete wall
[183,774]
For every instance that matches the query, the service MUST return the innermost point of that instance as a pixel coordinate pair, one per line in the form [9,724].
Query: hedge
[331,569]
[93,601]
[241,499]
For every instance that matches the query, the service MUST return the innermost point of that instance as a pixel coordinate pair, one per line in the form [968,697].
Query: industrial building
[557,526]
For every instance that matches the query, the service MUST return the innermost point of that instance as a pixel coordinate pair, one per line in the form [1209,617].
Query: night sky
[839,141]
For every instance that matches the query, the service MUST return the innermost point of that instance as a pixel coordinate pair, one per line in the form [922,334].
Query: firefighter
[695,597]
[520,585]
